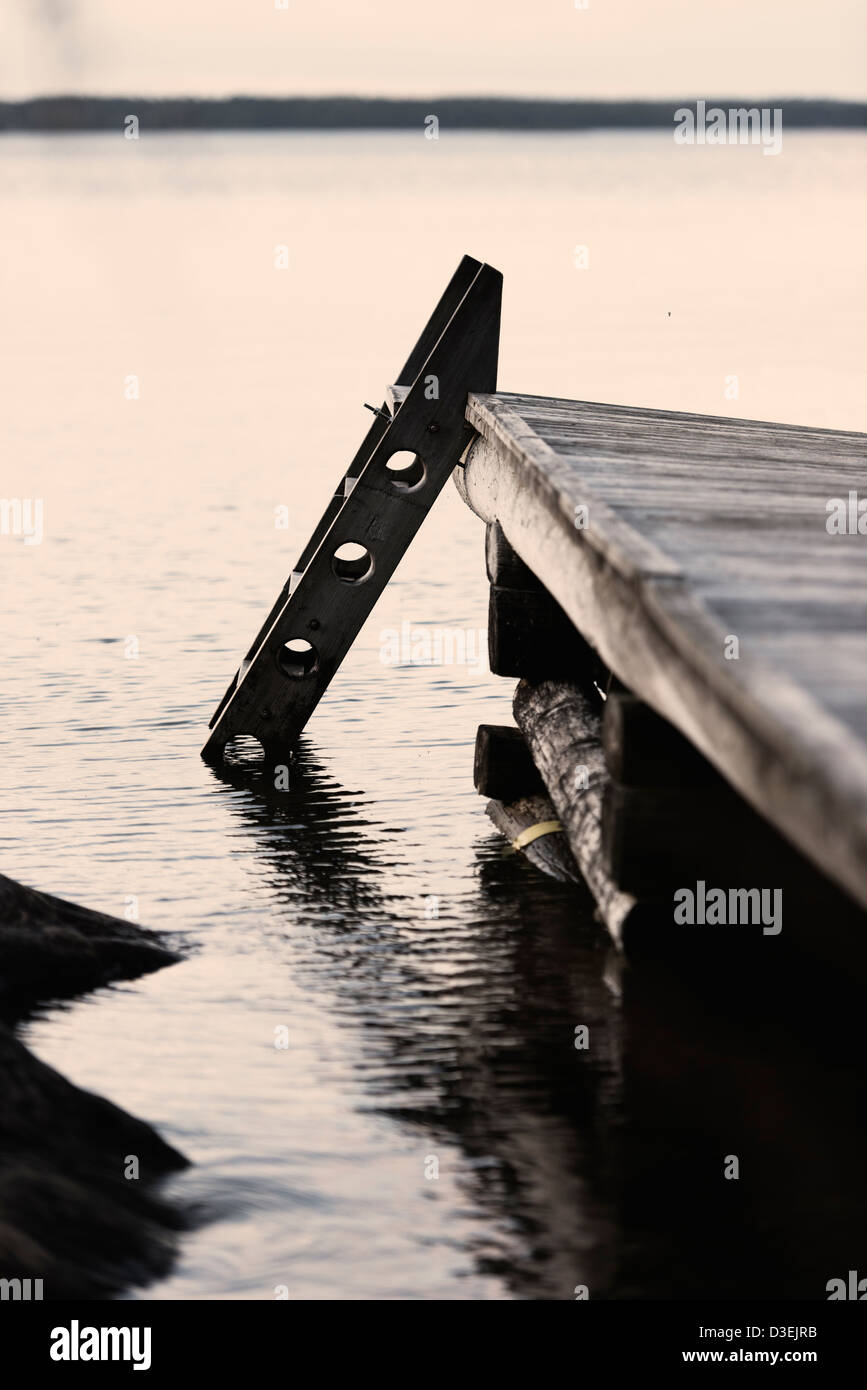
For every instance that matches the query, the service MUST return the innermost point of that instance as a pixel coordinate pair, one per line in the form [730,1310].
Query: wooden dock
[692,553]
[682,597]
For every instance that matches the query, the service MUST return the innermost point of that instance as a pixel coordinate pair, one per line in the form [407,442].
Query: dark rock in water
[69,1215]
[79,1209]
[53,949]
[41,1111]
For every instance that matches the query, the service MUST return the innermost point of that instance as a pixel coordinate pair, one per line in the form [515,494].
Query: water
[415,1043]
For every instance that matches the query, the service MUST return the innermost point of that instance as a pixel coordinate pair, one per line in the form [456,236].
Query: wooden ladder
[370,521]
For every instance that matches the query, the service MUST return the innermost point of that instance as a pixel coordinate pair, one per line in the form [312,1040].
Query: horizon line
[87,112]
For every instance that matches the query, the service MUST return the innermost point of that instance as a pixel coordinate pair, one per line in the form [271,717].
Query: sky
[613,48]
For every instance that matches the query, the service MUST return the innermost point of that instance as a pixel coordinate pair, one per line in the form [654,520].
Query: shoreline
[61,112]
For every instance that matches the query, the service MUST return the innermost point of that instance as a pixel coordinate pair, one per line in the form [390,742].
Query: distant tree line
[56,113]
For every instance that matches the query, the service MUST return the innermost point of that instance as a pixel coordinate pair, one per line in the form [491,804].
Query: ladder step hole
[405,469]
[352,562]
[297,658]
[243,751]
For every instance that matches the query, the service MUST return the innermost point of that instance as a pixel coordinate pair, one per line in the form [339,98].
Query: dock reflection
[602,1166]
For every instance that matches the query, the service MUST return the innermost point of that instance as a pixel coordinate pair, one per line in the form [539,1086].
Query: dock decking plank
[699,528]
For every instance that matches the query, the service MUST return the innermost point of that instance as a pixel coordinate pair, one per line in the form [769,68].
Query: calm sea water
[415,1043]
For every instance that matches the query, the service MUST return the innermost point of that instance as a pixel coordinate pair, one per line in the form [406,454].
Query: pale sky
[412,48]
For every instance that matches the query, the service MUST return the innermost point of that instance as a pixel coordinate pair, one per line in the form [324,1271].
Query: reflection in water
[469,1022]
[762,1063]
[602,1166]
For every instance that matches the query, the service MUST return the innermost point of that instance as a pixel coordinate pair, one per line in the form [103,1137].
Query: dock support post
[563,729]
[504,767]
[528,632]
[670,819]
[530,635]
[642,749]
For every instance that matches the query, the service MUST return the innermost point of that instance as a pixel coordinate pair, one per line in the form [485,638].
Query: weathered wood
[274,693]
[504,567]
[503,766]
[658,839]
[699,529]
[550,852]
[643,749]
[435,327]
[530,635]
[563,729]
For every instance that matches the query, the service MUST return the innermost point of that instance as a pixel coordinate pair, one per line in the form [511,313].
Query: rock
[53,949]
[68,1214]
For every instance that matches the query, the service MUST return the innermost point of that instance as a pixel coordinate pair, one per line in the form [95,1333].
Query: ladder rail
[448,302]
[274,692]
